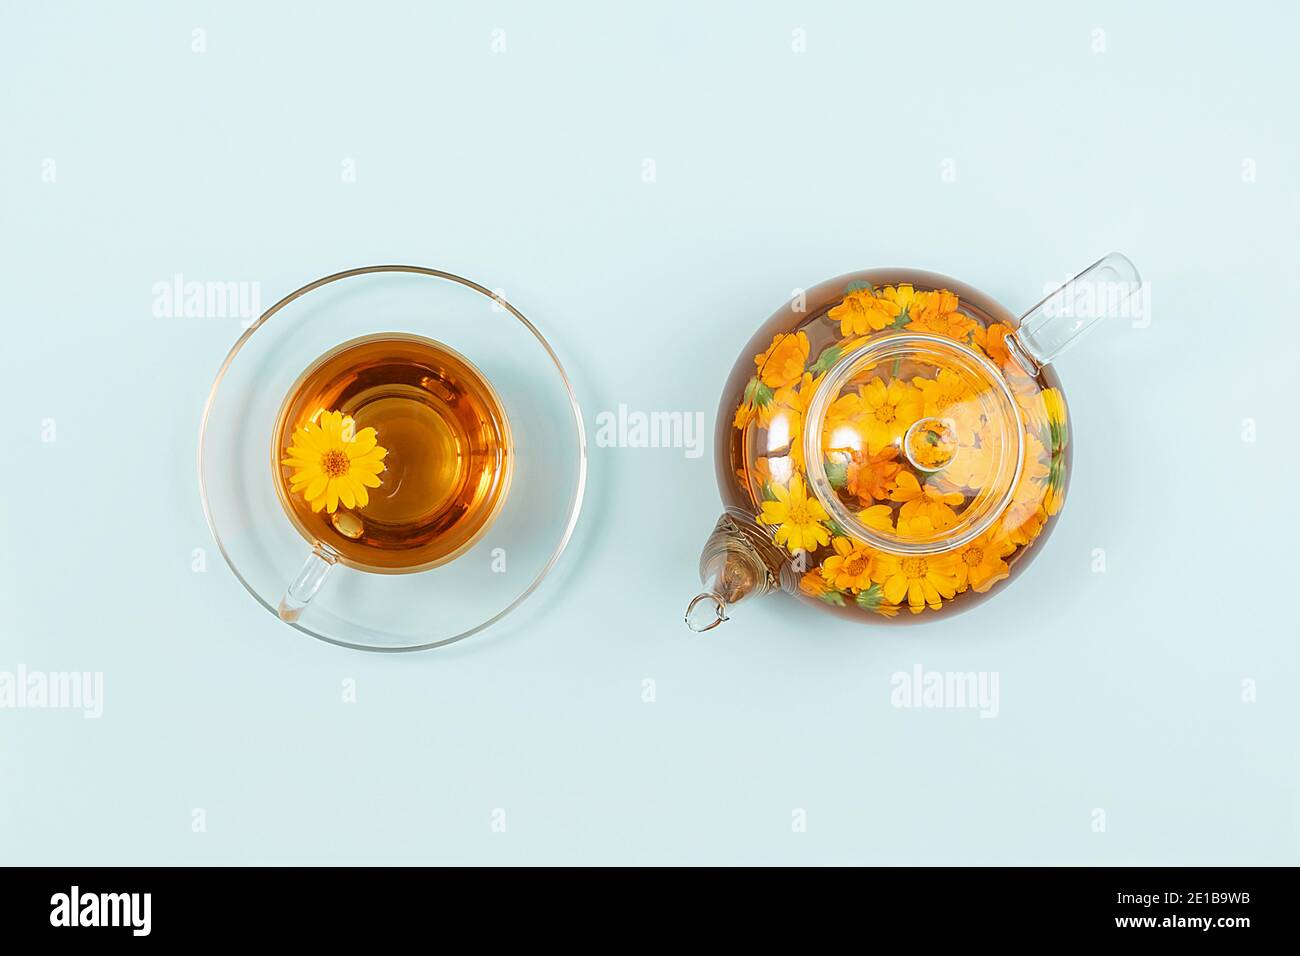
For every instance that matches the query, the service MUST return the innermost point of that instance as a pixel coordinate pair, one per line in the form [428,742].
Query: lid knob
[931,444]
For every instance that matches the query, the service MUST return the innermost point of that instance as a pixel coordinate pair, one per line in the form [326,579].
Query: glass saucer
[418,610]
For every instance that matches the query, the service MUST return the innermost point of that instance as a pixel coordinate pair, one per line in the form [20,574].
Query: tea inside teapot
[893,445]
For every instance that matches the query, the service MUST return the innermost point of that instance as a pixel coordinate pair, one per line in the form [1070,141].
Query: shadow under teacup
[391,454]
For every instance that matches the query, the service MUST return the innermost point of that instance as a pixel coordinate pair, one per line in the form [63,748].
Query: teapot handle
[1108,288]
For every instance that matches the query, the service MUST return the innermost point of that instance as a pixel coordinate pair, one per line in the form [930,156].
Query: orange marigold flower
[862,311]
[924,580]
[926,501]
[813,584]
[1037,466]
[888,411]
[901,295]
[937,313]
[880,517]
[1054,497]
[783,362]
[1032,406]
[981,562]
[1024,519]
[995,344]
[871,477]
[799,520]
[974,463]
[950,396]
[849,568]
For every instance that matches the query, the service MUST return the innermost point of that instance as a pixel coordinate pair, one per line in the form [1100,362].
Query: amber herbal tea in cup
[392,454]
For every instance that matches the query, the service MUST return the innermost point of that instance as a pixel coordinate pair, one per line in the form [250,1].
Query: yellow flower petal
[345,492]
[359,489]
[317,487]
[362,444]
[896,588]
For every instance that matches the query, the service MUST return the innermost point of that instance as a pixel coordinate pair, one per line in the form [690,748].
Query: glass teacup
[435,472]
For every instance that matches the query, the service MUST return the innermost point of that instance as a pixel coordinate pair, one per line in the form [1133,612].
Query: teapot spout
[738,562]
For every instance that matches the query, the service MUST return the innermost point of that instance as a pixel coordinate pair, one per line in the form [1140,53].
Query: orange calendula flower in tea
[1037,462]
[880,517]
[950,396]
[334,462]
[1054,497]
[843,427]
[980,563]
[1023,523]
[1024,519]
[930,501]
[784,361]
[772,390]
[1054,410]
[783,416]
[1058,435]
[902,295]
[937,313]
[813,584]
[973,463]
[995,344]
[871,477]
[849,568]
[862,311]
[1030,400]
[798,518]
[798,394]
[924,580]
[887,412]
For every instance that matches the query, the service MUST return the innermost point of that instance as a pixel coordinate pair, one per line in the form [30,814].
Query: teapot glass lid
[925,415]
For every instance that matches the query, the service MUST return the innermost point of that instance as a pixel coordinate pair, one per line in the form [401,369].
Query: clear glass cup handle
[1107,288]
[305,586]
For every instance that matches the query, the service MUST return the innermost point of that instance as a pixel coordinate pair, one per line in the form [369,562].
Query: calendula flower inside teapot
[894,445]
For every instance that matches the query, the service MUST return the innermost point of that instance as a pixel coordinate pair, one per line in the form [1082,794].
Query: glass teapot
[893,445]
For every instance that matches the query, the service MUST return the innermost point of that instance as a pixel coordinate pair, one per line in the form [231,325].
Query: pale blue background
[1120,691]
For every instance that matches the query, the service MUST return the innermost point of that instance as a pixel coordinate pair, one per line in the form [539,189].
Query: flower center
[915,567]
[799,514]
[973,556]
[856,564]
[885,414]
[334,463]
